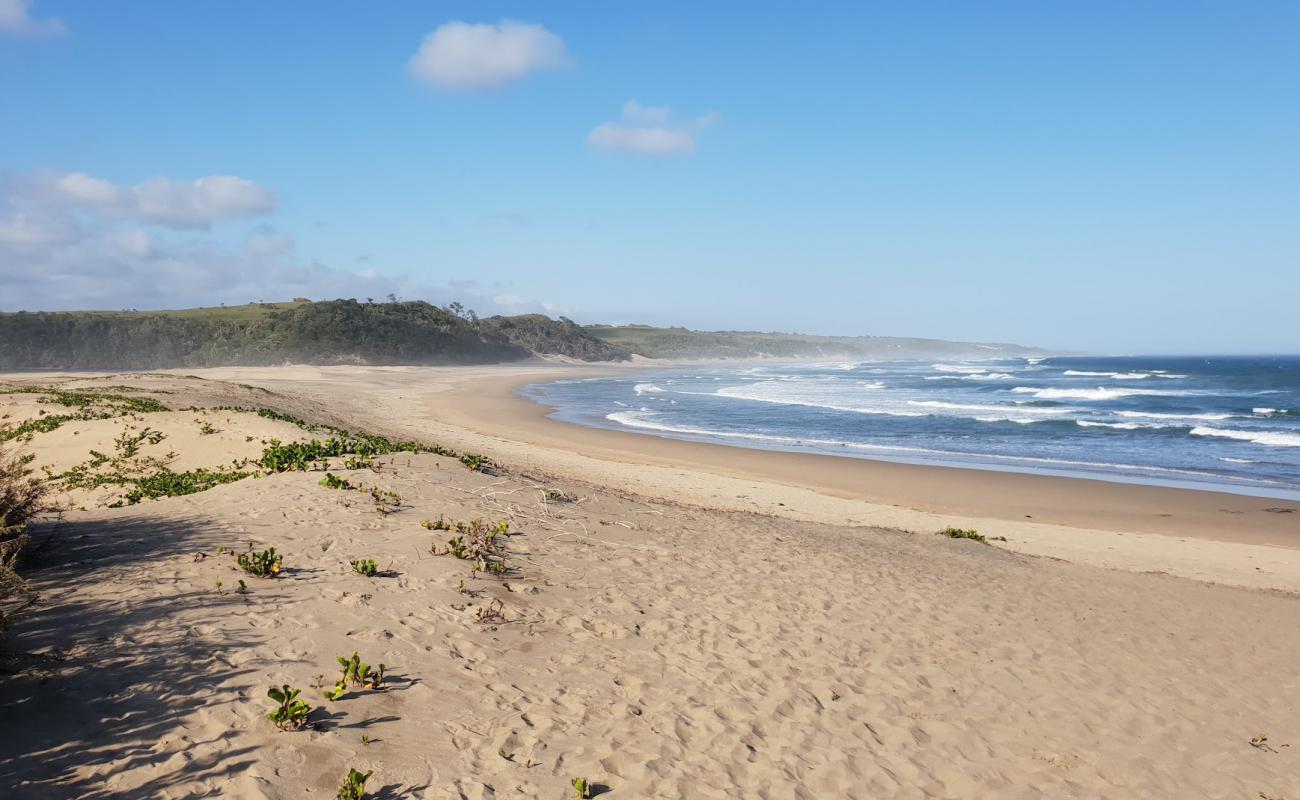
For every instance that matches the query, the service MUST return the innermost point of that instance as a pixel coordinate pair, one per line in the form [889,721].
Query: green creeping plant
[481,543]
[331,481]
[958,533]
[166,483]
[279,457]
[456,547]
[477,462]
[266,564]
[356,673]
[291,713]
[354,785]
[440,525]
[581,789]
[365,566]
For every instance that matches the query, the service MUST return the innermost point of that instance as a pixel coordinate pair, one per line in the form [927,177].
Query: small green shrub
[386,502]
[481,543]
[581,788]
[477,462]
[440,525]
[355,672]
[354,785]
[22,497]
[958,533]
[332,481]
[290,713]
[266,564]
[365,566]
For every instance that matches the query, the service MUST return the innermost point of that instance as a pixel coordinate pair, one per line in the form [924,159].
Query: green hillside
[330,332]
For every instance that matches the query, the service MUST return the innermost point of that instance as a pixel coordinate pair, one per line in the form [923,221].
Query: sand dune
[656,647]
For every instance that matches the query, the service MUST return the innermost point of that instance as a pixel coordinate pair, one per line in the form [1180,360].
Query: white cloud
[476,57]
[648,130]
[157,201]
[20,229]
[73,241]
[133,243]
[269,243]
[82,187]
[16,19]
[648,115]
[646,141]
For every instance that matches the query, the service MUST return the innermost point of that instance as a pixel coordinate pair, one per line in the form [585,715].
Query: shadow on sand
[96,683]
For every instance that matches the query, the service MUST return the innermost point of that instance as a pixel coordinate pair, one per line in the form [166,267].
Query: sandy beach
[671,619]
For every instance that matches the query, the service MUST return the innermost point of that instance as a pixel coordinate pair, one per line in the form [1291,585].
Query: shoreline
[1207,536]
[1210,536]
[1055,499]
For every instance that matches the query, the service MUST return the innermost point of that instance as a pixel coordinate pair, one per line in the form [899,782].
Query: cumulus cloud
[475,57]
[649,130]
[73,241]
[16,19]
[156,201]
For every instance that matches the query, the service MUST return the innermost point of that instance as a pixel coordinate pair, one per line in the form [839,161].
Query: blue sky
[1103,176]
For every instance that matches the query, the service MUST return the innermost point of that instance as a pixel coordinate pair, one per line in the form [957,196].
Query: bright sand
[705,621]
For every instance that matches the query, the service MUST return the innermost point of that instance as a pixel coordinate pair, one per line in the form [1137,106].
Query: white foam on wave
[872,385]
[1121,426]
[1236,460]
[1100,393]
[1017,420]
[633,420]
[974,376]
[1268,412]
[740,393]
[1269,438]
[1159,415]
[1119,376]
[956,368]
[943,404]
[1126,426]
[647,388]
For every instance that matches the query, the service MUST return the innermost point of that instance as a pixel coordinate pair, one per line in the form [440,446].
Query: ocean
[1223,423]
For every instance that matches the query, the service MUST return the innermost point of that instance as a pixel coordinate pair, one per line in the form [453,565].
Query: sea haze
[1228,423]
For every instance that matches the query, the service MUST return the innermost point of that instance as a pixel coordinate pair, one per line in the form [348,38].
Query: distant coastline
[402,333]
